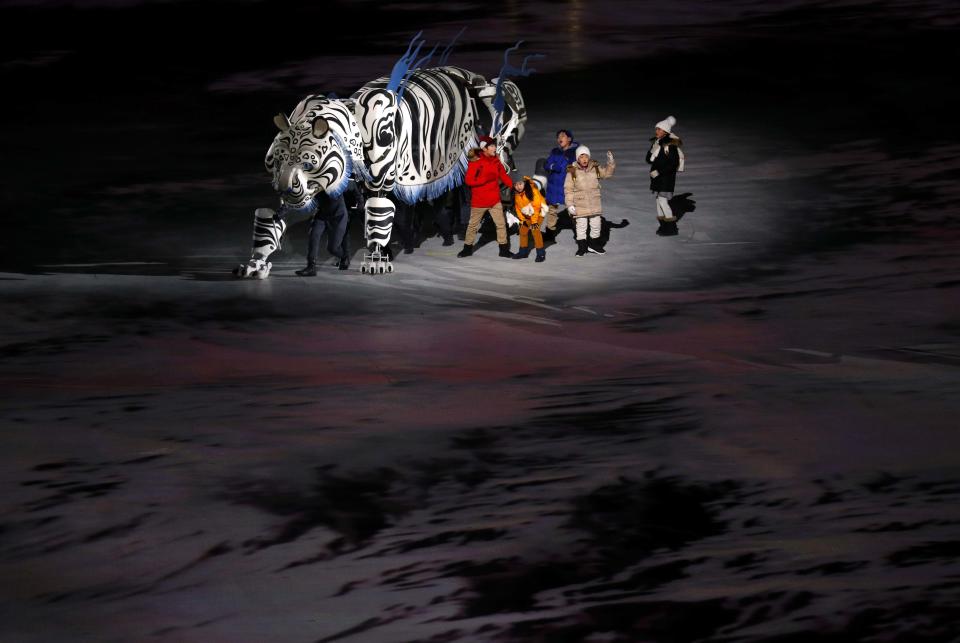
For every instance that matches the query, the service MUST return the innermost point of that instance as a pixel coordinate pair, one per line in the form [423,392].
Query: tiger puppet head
[318,149]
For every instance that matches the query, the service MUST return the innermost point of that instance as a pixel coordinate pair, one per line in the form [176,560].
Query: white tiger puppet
[402,139]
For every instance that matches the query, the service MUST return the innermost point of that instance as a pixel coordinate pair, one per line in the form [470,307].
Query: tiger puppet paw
[267,231]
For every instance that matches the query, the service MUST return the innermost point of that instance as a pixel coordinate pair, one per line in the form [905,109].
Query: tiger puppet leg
[378,224]
[267,231]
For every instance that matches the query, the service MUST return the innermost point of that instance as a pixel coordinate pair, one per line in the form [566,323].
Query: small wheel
[363,268]
[389,267]
[380,269]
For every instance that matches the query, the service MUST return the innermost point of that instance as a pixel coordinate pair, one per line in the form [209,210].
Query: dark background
[137,130]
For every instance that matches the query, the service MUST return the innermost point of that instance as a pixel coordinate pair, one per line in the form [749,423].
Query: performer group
[436,141]
[567,184]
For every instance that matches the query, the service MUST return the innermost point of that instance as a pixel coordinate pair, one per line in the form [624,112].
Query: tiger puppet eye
[320,126]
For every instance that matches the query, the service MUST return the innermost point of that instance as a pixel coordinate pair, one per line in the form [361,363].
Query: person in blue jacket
[561,157]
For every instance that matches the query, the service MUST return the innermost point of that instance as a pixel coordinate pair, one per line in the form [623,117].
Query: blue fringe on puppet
[411,194]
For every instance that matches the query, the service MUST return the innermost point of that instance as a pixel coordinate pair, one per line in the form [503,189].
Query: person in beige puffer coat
[581,189]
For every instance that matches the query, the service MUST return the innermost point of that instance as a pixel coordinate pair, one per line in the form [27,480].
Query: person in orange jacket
[531,208]
[484,174]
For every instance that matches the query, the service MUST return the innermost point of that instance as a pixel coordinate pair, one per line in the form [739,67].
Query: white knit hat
[667,124]
[583,149]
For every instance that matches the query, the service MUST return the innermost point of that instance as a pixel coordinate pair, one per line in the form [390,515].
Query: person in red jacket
[484,174]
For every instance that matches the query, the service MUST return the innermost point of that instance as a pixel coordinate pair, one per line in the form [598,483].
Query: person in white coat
[581,190]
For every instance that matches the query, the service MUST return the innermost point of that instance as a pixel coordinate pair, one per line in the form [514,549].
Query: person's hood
[672,139]
[576,166]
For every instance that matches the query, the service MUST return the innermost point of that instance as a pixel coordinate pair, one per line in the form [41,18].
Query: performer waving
[582,195]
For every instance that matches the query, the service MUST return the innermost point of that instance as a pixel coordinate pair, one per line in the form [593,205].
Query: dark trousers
[331,217]
[442,218]
[408,220]
[345,244]
[406,225]
[462,204]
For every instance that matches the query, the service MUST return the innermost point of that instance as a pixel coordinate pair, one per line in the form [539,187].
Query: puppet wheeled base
[376,262]
[253,269]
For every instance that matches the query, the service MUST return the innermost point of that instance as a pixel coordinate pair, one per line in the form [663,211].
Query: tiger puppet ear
[320,127]
[280,120]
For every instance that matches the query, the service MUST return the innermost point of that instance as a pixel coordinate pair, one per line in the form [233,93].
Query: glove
[572,210]
[609,156]
[654,174]
[527,210]
[544,210]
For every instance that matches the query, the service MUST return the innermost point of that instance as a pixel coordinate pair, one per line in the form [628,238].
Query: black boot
[593,245]
[581,247]
[541,255]
[523,253]
[309,271]
[448,240]
[344,263]
[549,236]
[667,229]
[467,251]
[505,250]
